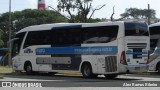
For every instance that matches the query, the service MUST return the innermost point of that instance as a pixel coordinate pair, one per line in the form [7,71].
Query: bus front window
[15,48]
[17,44]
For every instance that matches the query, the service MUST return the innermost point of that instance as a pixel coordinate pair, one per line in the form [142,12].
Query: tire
[87,71]
[28,69]
[110,76]
[158,68]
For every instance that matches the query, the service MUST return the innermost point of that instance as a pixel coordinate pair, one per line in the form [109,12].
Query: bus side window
[38,38]
[66,37]
[58,37]
[102,34]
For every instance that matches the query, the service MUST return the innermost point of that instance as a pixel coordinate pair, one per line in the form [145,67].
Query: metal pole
[9,46]
[149,15]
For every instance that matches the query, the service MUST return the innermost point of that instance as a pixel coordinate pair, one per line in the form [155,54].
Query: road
[68,81]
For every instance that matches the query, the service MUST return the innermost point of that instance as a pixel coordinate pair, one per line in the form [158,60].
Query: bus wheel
[158,68]
[87,71]
[28,68]
[110,76]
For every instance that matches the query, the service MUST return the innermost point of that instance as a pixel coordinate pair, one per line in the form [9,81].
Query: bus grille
[136,45]
[111,64]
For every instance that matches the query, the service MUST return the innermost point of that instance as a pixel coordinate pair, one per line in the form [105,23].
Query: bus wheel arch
[158,67]
[28,67]
[86,69]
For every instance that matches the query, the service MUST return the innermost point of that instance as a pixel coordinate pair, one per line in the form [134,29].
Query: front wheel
[28,69]
[87,71]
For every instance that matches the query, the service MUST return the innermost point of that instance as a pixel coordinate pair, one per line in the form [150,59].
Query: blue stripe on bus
[136,53]
[78,50]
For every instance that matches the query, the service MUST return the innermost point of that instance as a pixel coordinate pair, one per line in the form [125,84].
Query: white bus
[154,61]
[108,48]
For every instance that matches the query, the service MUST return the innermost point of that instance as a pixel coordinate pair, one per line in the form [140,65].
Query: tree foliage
[78,10]
[138,13]
[28,17]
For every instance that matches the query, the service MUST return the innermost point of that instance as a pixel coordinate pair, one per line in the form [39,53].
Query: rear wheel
[87,71]
[28,68]
[158,68]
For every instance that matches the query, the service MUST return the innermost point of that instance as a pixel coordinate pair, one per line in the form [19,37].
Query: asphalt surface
[72,82]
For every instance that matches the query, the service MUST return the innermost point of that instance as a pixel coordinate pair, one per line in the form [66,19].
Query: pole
[149,15]
[9,46]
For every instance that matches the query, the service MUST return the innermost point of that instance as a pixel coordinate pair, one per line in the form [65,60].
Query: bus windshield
[17,44]
[154,37]
[136,29]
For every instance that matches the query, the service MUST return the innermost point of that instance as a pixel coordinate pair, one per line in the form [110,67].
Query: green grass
[5,69]
[1,77]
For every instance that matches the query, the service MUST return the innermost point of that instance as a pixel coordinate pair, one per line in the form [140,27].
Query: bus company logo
[6,84]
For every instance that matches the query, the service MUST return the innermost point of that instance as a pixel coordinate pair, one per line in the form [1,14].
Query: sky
[105,12]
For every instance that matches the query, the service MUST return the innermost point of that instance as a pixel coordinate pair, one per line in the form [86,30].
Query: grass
[5,69]
[1,77]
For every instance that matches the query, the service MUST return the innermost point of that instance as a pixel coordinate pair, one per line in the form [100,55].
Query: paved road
[80,81]
[67,82]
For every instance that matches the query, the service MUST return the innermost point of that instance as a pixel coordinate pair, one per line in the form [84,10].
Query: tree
[1,38]
[78,10]
[138,13]
[28,17]
[36,17]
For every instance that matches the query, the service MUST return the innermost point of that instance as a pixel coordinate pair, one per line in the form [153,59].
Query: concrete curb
[71,73]
[144,73]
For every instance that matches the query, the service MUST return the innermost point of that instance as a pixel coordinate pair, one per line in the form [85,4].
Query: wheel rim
[87,71]
[28,69]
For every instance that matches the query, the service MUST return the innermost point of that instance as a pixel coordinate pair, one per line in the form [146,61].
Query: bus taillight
[123,58]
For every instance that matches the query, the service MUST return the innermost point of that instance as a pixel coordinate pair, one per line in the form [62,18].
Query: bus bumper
[137,68]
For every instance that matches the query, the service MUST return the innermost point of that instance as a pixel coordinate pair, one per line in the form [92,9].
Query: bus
[154,61]
[105,48]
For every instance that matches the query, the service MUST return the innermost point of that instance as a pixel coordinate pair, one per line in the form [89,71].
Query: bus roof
[154,24]
[55,25]
[45,27]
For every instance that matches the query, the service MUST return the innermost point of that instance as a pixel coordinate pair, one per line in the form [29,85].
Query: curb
[71,73]
[144,73]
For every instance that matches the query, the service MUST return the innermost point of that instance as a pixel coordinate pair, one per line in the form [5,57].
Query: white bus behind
[154,61]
